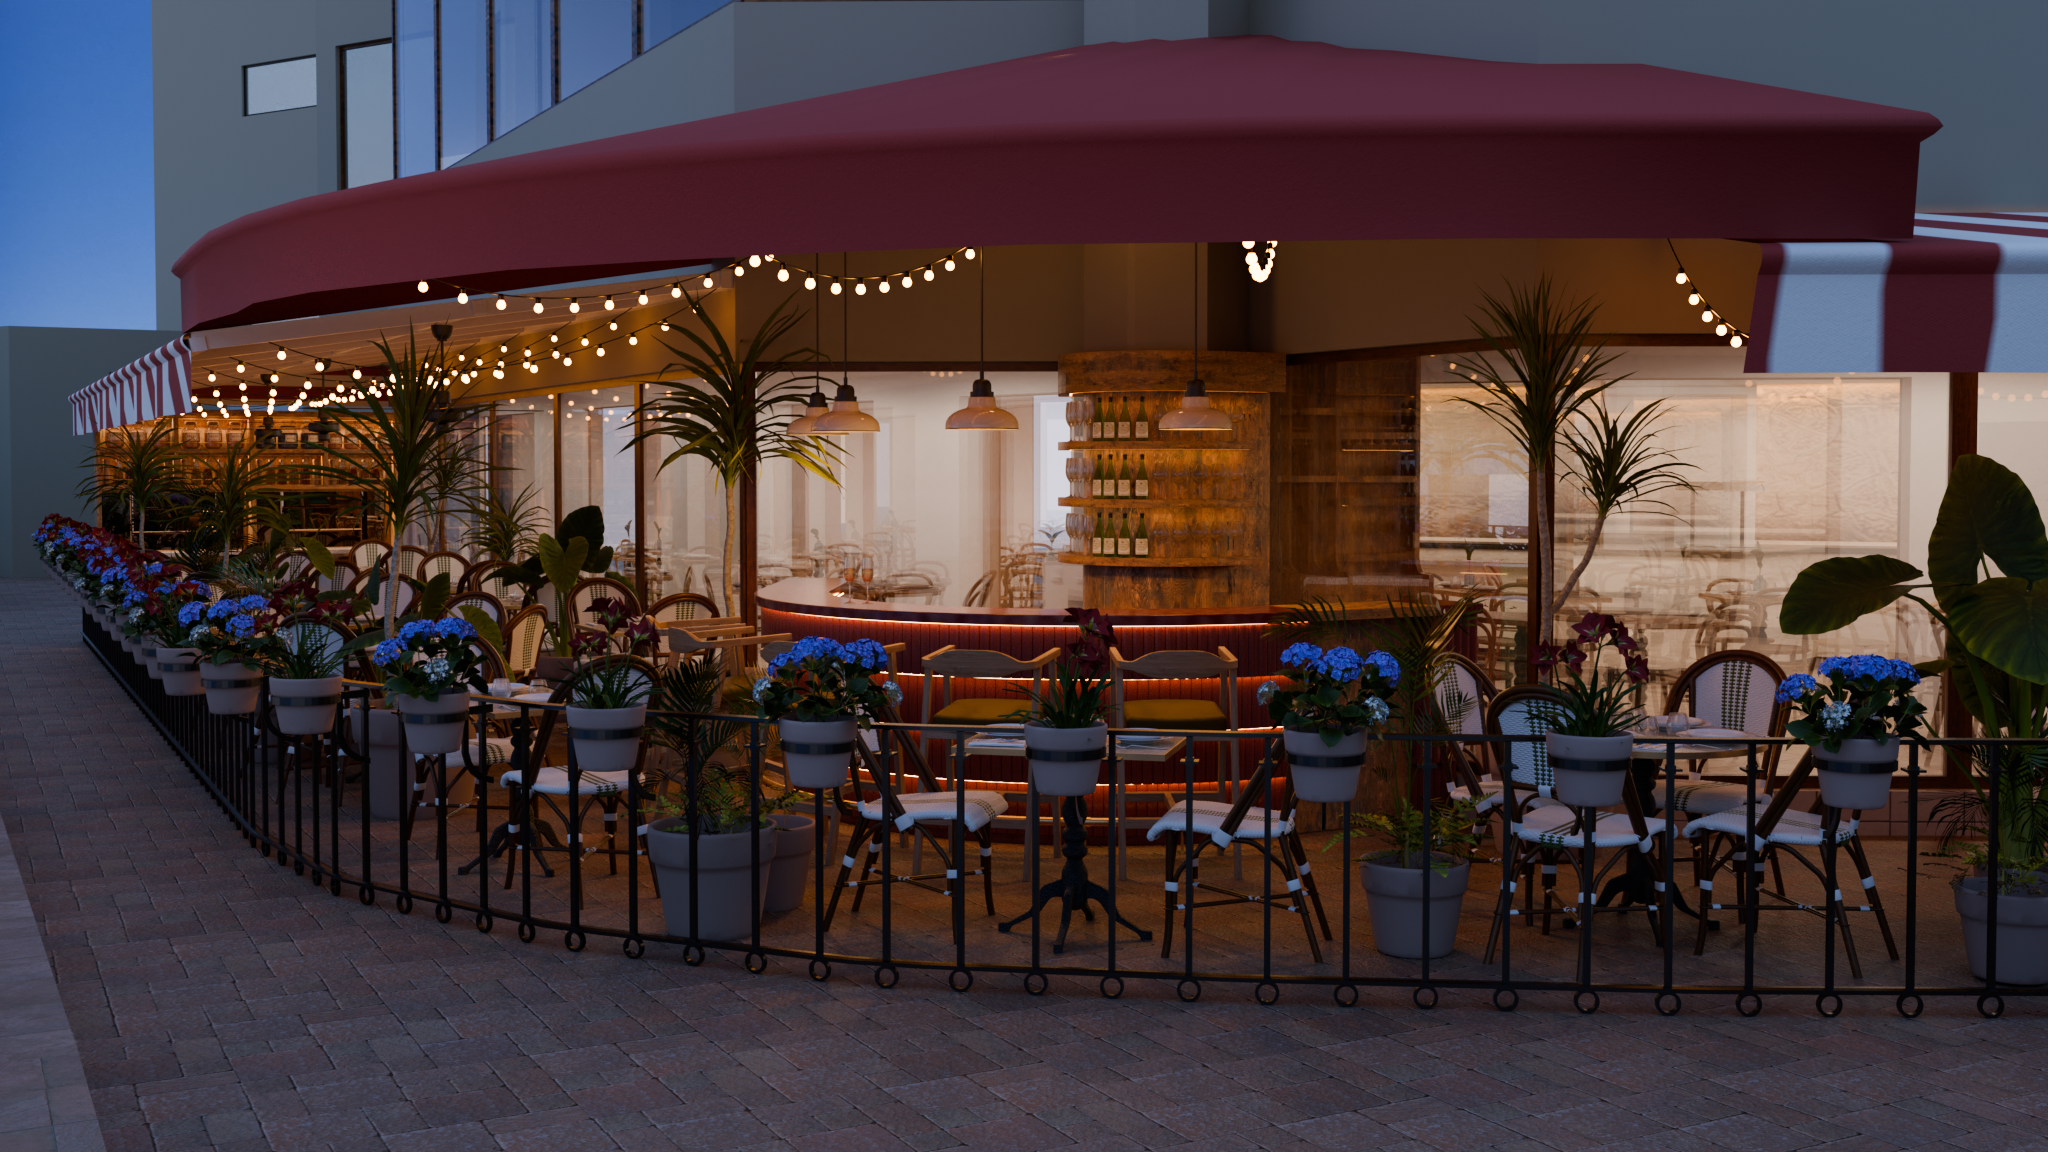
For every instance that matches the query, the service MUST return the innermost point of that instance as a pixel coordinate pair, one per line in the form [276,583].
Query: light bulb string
[945,263]
[1725,326]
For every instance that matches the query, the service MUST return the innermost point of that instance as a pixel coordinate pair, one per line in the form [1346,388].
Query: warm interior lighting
[1194,413]
[807,424]
[981,411]
[845,416]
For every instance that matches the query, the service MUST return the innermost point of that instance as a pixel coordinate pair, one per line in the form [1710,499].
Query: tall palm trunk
[732,529]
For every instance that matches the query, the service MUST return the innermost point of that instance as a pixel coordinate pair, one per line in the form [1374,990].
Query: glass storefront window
[597,462]
[465,71]
[523,456]
[597,36]
[524,61]
[415,37]
[685,534]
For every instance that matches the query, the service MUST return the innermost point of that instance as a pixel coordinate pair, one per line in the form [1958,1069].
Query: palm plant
[504,526]
[230,498]
[453,477]
[1616,463]
[727,416]
[405,424]
[1543,370]
[135,469]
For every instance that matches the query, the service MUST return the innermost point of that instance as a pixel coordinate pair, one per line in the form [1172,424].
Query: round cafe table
[1638,882]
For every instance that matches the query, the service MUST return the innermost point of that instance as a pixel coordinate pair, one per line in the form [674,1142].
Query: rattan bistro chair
[683,608]
[525,634]
[1736,689]
[941,668]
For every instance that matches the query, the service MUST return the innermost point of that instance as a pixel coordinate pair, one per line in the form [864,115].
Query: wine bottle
[1123,479]
[1141,486]
[1142,546]
[1095,480]
[1095,537]
[1123,420]
[1142,426]
[1123,537]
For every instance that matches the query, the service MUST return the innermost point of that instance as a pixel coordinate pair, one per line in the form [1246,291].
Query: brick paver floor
[219,1000]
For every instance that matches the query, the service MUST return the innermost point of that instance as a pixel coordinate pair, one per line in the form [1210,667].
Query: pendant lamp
[1194,413]
[845,415]
[981,410]
[807,424]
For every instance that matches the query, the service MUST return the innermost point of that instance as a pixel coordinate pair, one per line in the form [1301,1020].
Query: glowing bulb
[607,303]
[462,297]
[1735,341]
[501,303]
[526,351]
[273,391]
[782,274]
[280,353]
[810,283]
[1707,317]
[643,297]
[498,373]
[753,261]
[241,367]
[884,286]
[1720,329]
[600,351]
[861,289]
[423,285]
[575,306]
[242,384]
[356,375]
[319,365]
[210,377]
[556,354]
[586,341]
[615,325]
[216,393]
[835,287]
[664,326]
[969,253]
[553,338]
[1693,299]
[502,348]
[949,265]
[906,280]
[536,307]
[739,270]
[1682,277]
[930,275]
[568,360]
[632,340]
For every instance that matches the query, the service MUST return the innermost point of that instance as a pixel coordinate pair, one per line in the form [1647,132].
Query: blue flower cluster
[413,629]
[1343,665]
[1796,686]
[242,626]
[1388,667]
[191,614]
[826,648]
[1868,667]
[390,651]
[221,609]
[866,654]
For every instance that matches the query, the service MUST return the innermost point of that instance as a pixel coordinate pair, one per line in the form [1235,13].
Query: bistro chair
[923,814]
[535,784]
[595,588]
[449,564]
[490,605]
[344,575]
[1192,825]
[1780,834]
[367,555]
[681,641]
[679,607]
[943,667]
[1736,690]
[1217,714]
[1461,694]
[1542,832]
[402,597]
[525,634]
[409,557]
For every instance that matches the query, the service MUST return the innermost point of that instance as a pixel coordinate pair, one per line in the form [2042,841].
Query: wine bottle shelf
[1134,504]
[1153,561]
[1152,445]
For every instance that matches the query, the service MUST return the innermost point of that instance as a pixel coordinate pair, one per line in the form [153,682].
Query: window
[661,19]
[596,37]
[366,143]
[413,28]
[279,85]
[465,72]
[524,66]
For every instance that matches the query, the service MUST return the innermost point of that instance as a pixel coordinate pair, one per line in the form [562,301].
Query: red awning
[155,385]
[1156,141]
[1968,293]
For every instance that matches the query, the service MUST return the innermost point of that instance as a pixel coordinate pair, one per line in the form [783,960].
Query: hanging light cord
[981,277]
[1196,311]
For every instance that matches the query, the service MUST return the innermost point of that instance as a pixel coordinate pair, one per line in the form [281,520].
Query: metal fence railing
[447,833]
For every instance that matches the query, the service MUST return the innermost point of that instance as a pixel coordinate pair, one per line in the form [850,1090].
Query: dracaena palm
[136,468]
[407,426]
[1615,462]
[1542,368]
[727,416]
[230,495]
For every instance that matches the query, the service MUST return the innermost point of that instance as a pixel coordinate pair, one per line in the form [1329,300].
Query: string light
[1260,265]
[462,297]
[280,353]
[1697,299]
[423,286]
[501,303]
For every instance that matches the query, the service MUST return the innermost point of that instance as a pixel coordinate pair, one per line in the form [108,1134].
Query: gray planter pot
[1393,896]
[149,665]
[1859,777]
[830,745]
[606,739]
[1065,761]
[178,668]
[2022,933]
[434,727]
[389,784]
[231,689]
[795,836]
[724,880]
[1589,771]
[1324,773]
[305,707]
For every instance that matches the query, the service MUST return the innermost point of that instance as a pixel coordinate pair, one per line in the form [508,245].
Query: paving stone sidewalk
[220,1001]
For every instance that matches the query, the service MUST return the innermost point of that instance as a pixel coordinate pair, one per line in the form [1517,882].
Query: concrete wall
[39,370]
[214,164]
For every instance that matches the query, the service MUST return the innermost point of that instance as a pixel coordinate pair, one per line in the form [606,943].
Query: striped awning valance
[157,384]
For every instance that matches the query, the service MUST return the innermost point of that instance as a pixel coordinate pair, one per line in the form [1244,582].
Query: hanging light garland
[1696,298]
[764,264]
[1260,264]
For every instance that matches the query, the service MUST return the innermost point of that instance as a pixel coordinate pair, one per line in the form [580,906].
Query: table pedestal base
[1073,889]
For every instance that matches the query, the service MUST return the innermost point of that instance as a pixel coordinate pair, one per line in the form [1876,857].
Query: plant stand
[1073,889]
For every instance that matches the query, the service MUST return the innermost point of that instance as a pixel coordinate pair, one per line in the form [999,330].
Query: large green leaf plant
[1986,584]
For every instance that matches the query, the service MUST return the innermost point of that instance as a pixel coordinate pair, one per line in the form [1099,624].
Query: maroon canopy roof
[1158,141]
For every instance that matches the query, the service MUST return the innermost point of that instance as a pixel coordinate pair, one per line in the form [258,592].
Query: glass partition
[685,533]
[597,462]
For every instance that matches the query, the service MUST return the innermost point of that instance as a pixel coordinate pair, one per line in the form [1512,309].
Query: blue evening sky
[77,231]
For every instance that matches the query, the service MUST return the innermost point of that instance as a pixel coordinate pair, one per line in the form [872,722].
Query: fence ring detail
[1820,1004]
[953,979]
[444,911]
[1677,1002]
[1189,990]
[1919,1005]
[1104,988]
[366,894]
[886,976]
[820,970]
[1579,1002]
[1991,1006]
[693,954]
[527,932]
[1266,992]
[1417,996]
[485,922]
[1338,994]
[755,962]
[634,947]
[1746,1010]
[574,940]
[1036,983]
[1514,999]
[405,903]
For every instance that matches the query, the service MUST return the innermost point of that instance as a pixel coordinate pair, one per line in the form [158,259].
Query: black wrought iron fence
[344,810]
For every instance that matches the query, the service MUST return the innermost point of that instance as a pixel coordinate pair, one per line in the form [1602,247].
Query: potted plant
[1334,700]
[1391,874]
[1589,743]
[1997,659]
[429,668]
[235,642]
[1854,724]
[820,693]
[1064,741]
[607,710]
[154,612]
[728,840]
[305,680]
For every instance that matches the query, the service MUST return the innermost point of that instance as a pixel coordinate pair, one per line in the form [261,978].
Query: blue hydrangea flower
[1375,710]
[242,626]
[220,610]
[1795,686]
[413,628]
[867,654]
[761,687]
[253,603]
[1302,655]
[1342,664]
[389,652]
[815,647]
[453,629]
[779,660]
[1389,669]
[1834,714]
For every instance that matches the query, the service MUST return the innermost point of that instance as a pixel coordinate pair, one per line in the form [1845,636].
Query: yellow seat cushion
[984,710]
[1199,715]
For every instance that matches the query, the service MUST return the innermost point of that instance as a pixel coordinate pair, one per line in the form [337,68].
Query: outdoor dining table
[1638,882]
